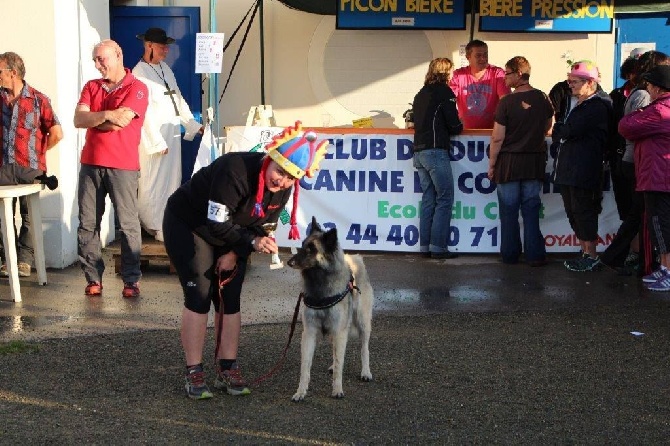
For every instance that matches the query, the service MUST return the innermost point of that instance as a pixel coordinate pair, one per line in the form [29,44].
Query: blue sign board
[400,14]
[547,16]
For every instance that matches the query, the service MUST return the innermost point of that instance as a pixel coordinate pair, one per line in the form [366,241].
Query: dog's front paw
[338,395]
[366,377]
[299,396]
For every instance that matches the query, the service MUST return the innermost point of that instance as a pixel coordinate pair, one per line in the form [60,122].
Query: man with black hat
[160,146]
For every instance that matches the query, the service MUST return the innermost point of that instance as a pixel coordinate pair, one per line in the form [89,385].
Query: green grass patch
[16,347]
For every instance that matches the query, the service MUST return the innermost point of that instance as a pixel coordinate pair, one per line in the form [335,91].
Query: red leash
[277,366]
[279,363]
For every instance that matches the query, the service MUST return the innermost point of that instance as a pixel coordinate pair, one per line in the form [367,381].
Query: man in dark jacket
[435,120]
[578,165]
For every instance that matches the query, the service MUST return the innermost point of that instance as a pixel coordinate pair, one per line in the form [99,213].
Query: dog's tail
[364,296]
[358,270]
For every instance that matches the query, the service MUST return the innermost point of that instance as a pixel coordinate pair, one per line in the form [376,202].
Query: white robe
[160,175]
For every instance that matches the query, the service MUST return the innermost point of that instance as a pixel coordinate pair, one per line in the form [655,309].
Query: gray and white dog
[338,300]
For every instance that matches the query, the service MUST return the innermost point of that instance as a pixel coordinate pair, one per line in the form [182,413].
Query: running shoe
[656,275]
[195,386]
[131,289]
[584,264]
[232,381]
[662,284]
[93,289]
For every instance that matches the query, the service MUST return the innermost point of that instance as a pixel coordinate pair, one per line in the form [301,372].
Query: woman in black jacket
[578,165]
[435,121]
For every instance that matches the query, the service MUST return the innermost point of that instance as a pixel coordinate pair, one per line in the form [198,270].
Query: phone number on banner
[372,235]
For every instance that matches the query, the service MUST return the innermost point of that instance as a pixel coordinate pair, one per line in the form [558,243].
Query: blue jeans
[521,195]
[437,184]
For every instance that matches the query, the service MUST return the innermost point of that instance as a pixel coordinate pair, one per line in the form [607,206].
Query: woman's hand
[226,262]
[266,245]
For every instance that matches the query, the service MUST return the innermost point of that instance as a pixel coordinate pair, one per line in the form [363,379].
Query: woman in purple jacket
[649,127]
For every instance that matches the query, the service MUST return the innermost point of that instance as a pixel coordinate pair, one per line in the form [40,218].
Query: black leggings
[194,259]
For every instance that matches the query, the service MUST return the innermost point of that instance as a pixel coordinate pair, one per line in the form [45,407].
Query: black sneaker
[585,264]
[569,264]
[195,386]
[232,381]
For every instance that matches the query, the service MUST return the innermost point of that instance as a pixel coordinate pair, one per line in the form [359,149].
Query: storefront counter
[368,189]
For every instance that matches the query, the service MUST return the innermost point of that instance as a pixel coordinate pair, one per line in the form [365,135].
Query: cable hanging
[244,39]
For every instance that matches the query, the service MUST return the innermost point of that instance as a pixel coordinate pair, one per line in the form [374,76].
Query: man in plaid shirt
[29,128]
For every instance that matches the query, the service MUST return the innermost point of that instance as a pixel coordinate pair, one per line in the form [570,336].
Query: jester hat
[298,152]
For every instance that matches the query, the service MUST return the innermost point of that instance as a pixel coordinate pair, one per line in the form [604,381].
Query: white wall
[57,60]
[312,69]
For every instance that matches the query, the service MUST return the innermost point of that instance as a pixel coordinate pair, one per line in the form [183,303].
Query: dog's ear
[330,240]
[315,226]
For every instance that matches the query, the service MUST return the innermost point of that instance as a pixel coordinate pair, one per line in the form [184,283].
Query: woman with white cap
[649,128]
[212,223]
[578,164]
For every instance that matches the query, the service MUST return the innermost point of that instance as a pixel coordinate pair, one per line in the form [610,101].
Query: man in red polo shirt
[112,109]
[29,128]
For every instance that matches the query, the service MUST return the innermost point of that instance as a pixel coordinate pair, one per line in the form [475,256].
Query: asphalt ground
[464,351]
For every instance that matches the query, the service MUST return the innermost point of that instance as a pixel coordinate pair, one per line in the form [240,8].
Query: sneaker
[586,263]
[24,269]
[632,259]
[131,289]
[195,386]
[93,289]
[656,275]
[232,381]
[662,284]
[569,264]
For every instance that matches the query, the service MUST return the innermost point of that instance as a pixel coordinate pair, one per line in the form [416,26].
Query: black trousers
[194,260]
[11,174]
[632,225]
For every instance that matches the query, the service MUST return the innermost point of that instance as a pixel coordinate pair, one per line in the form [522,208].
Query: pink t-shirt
[116,149]
[477,100]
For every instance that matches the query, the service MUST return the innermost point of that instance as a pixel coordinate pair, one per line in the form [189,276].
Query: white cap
[637,52]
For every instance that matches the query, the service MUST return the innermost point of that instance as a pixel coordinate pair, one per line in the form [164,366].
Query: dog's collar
[327,302]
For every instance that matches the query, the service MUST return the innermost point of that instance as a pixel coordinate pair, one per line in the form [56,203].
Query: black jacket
[435,117]
[582,141]
[232,181]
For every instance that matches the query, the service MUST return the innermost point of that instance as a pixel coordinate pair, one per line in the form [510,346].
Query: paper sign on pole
[208,52]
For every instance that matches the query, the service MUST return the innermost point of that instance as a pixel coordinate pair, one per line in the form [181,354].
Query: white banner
[368,189]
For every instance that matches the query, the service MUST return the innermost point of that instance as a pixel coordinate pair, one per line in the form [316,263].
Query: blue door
[182,23]
[639,29]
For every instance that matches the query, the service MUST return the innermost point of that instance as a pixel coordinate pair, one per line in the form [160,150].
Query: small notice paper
[208,52]
[363,123]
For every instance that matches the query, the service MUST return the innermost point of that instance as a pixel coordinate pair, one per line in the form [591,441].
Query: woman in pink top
[649,128]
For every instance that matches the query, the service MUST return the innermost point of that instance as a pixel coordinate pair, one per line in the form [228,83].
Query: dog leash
[279,363]
[351,286]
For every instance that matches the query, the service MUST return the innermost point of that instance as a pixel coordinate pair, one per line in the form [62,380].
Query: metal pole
[262,53]
[472,20]
[213,86]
